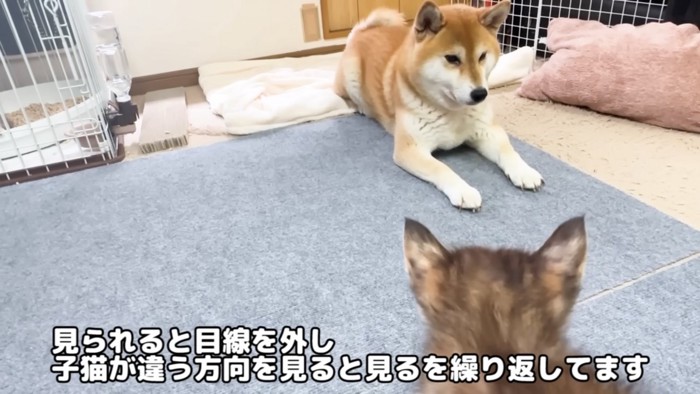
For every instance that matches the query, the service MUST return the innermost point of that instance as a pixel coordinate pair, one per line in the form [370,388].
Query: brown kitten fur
[501,302]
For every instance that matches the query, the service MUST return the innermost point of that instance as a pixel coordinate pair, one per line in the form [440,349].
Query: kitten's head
[495,301]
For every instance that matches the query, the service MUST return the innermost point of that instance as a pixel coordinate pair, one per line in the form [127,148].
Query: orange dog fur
[427,86]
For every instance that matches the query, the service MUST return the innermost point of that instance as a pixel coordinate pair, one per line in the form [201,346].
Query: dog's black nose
[479,94]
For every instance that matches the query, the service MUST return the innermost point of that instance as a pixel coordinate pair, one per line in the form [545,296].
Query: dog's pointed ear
[429,20]
[564,252]
[494,16]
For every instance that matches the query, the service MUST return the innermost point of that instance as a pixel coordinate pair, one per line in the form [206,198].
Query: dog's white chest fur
[433,128]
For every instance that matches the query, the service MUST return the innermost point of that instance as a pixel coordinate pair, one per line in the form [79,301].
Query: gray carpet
[657,317]
[302,227]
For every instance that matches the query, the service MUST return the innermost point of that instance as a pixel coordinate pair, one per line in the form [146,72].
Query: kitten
[501,302]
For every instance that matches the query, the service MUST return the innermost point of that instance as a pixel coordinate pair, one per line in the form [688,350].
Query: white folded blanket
[257,95]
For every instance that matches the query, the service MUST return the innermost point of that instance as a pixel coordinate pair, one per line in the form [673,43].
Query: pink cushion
[649,73]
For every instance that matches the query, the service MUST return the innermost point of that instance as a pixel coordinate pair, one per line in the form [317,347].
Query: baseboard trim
[190,76]
[172,79]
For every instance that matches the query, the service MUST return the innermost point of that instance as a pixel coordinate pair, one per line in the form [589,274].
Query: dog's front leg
[419,162]
[493,143]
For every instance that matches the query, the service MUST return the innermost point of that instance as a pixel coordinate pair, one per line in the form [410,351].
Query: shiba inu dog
[427,86]
[502,302]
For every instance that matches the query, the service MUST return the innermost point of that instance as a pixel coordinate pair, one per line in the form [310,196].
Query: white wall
[169,35]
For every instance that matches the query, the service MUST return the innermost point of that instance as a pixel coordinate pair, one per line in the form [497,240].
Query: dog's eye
[452,59]
[482,57]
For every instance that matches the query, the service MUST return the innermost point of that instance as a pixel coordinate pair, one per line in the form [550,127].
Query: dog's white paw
[464,196]
[525,177]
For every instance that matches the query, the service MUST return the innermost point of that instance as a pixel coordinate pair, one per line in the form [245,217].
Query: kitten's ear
[429,20]
[424,259]
[564,253]
[422,251]
[493,17]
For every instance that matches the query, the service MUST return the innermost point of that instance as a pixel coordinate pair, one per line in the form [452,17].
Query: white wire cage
[53,98]
[527,23]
